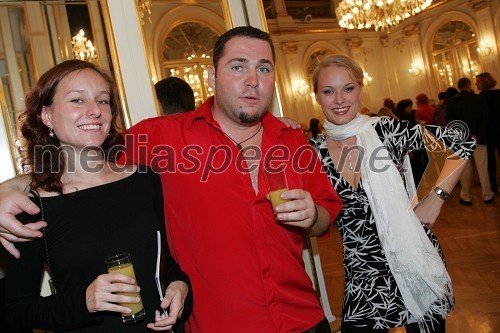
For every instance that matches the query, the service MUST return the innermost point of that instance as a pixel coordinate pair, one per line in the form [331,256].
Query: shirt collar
[271,124]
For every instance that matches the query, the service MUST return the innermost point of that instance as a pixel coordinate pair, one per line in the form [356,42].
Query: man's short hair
[174,95]
[244,31]
[463,83]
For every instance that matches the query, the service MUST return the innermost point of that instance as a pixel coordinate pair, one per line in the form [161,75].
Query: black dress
[84,228]
[371,297]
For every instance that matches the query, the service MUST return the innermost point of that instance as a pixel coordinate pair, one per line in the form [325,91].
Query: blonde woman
[394,273]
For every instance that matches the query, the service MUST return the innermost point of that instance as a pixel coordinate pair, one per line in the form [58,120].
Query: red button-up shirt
[246,269]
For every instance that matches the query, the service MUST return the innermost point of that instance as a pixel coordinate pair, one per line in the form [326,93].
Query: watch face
[441,193]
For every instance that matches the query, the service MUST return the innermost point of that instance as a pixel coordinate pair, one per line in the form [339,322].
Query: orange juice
[276,197]
[128,270]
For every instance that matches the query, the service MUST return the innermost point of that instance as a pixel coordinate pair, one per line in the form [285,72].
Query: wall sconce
[485,48]
[367,79]
[300,88]
[415,70]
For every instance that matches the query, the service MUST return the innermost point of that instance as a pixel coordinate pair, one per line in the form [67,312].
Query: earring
[51,132]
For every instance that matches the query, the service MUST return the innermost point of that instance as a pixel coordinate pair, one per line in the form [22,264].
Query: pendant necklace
[238,144]
[349,154]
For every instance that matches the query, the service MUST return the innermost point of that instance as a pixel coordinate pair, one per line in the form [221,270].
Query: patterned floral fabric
[371,296]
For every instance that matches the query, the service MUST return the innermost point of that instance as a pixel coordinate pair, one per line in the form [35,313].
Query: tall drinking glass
[276,184]
[122,263]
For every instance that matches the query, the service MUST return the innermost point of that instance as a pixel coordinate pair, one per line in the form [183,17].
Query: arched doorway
[455,55]
[186,54]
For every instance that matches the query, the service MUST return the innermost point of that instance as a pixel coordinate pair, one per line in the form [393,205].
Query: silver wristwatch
[443,194]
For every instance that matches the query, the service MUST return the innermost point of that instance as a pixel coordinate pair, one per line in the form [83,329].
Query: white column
[486,33]
[133,63]
[300,106]
[354,45]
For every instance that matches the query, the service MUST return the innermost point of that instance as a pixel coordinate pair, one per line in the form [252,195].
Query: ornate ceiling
[298,9]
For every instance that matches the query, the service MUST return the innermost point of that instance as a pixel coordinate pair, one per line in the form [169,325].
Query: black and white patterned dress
[371,296]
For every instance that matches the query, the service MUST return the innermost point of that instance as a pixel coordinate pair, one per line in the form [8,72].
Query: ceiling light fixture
[377,14]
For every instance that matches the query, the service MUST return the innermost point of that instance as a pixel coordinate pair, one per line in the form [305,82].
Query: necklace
[350,162]
[238,144]
[342,159]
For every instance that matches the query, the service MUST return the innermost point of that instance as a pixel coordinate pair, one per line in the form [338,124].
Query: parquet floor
[470,238]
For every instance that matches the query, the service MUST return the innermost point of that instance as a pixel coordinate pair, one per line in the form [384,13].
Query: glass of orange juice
[276,184]
[122,263]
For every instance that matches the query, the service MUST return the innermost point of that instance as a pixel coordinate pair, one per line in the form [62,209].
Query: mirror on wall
[455,53]
[179,39]
[15,57]
[36,35]
[187,51]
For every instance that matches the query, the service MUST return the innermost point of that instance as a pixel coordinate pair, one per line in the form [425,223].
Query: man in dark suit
[473,111]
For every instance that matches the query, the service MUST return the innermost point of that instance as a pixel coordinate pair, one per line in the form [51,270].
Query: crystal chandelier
[377,14]
[83,48]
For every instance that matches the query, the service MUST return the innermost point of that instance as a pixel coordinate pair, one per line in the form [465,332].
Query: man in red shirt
[245,264]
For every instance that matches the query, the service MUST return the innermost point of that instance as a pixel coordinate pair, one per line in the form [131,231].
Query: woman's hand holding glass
[102,293]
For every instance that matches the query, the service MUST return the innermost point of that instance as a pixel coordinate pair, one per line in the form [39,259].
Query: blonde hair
[339,60]
[385,111]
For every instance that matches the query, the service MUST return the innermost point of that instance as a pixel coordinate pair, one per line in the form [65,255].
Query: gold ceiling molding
[289,47]
[478,4]
[384,41]
[411,29]
[354,43]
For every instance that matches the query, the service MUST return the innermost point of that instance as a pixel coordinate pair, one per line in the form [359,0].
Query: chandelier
[83,48]
[377,14]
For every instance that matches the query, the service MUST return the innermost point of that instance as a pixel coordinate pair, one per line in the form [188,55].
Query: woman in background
[386,112]
[425,111]
[404,109]
[394,273]
[314,128]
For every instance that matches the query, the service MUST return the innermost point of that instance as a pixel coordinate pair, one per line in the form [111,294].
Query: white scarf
[415,263]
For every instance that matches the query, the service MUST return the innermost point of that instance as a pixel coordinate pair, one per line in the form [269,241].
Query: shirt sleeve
[316,180]
[26,309]
[408,136]
[139,140]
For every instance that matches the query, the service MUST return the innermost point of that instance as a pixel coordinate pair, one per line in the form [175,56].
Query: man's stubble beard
[250,119]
